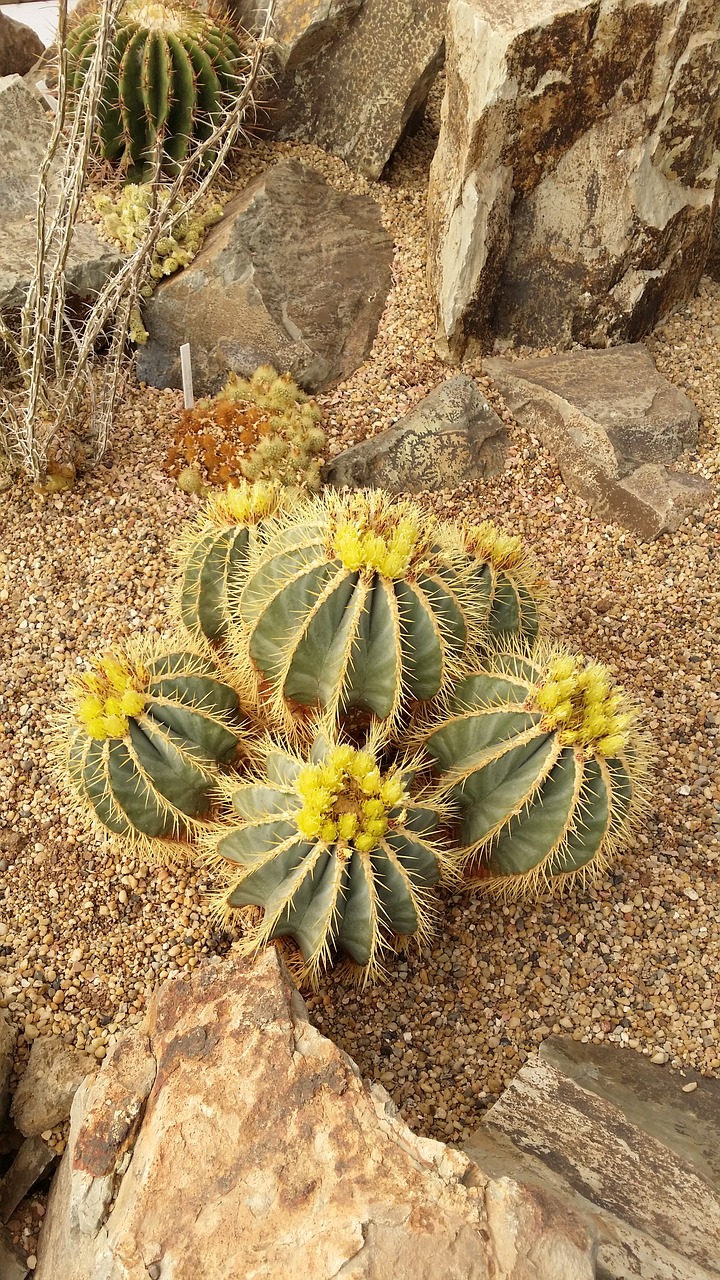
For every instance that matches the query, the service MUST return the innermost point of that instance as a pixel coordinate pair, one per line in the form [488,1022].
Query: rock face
[613,423]
[351,73]
[24,134]
[44,1095]
[624,1147]
[8,1036]
[573,188]
[20,47]
[451,437]
[227,1137]
[295,275]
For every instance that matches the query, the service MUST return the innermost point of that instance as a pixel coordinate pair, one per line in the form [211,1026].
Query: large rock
[20,47]
[351,74]
[573,188]
[623,1146]
[8,1036]
[44,1095]
[226,1137]
[613,423]
[451,437]
[24,135]
[295,275]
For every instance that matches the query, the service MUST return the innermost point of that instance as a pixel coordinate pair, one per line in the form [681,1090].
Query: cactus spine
[213,557]
[171,71]
[544,759]
[335,853]
[357,602]
[143,740]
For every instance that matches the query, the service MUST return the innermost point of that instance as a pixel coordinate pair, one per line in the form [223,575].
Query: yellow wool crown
[581,703]
[110,695]
[489,543]
[347,800]
[245,504]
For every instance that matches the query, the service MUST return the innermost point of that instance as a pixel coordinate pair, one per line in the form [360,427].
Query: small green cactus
[507,576]
[143,739]
[170,74]
[544,758]
[213,557]
[335,853]
[357,601]
[125,221]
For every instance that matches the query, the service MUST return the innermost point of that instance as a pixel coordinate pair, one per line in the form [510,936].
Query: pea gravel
[86,931]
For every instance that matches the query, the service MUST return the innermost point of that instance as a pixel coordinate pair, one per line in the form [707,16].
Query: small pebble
[690,1087]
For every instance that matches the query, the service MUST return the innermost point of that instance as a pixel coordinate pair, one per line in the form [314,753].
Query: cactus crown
[244,504]
[107,696]
[580,702]
[347,799]
[368,534]
[487,542]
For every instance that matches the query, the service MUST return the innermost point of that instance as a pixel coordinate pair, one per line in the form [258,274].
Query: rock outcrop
[24,135]
[295,275]
[20,47]
[226,1137]
[450,437]
[573,189]
[617,1139]
[613,423]
[351,74]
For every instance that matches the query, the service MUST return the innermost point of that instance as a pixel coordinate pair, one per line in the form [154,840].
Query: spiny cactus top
[143,737]
[213,556]
[507,577]
[171,72]
[545,760]
[333,849]
[358,601]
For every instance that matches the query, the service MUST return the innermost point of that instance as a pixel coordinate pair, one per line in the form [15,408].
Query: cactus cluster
[348,626]
[125,221]
[170,73]
[261,429]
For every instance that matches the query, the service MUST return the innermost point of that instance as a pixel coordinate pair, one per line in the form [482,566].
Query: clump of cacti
[264,428]
[143,738]
[358,602]
[507,576]
[213,556]
[332,849]
[543,756]
[171,72]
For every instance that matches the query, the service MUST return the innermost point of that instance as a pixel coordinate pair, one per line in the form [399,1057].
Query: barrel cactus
[333,851]
[170,73]
[143,740]
[544,758]
[357,601]
[507,578]
[213,556]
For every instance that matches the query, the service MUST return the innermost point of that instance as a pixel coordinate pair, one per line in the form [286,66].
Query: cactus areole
[171,72]
[543,758]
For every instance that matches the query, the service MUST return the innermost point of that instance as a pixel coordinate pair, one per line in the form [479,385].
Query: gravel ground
[85,931]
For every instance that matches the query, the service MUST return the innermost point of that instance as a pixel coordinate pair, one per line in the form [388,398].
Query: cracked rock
[44,1095]
[232,1129]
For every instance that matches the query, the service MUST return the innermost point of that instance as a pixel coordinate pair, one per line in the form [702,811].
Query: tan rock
[613,423]
[351,74]
[20,47]
[452,436]
[227,1137]
[573,188]
[44,1095]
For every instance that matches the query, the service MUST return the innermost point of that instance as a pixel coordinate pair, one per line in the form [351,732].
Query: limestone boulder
[613,423]
[573,188]
[226,1137]
[351,74]
[24,134]
[451,437]
[20,47]
[44,1095]
[295,275]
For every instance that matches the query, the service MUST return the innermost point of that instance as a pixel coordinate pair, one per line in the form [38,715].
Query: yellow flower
[365,843]
[348,825]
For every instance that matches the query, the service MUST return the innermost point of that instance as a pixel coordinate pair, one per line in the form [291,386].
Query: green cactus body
[548,770]
[335,854]
[170,72]
[357,603]
[507,577]
[213,557]
[144,740]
